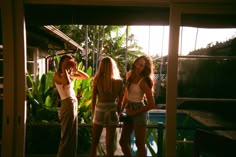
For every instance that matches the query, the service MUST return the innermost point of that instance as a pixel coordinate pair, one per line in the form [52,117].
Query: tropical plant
[105,40]
[42,99]
[151,138]
[42,117]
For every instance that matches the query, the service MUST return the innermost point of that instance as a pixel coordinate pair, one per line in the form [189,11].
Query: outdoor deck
[206,118]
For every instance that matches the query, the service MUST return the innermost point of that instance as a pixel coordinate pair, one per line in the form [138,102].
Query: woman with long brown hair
[139,86]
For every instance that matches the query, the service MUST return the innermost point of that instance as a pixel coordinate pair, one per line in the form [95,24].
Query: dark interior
[38,15]
[118,15]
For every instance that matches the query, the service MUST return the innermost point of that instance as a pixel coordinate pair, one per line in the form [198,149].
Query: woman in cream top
[67,71]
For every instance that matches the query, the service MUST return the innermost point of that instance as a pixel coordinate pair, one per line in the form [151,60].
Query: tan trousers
[69,128]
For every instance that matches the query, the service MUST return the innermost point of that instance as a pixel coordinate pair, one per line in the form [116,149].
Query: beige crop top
[135,93]
[65,91]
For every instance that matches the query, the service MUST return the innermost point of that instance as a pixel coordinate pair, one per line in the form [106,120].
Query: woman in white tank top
[139,85]
[67,70]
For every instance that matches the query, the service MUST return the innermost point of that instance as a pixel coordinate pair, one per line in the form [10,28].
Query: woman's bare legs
[140,133]
[125,139]
[110,137]
[96,134]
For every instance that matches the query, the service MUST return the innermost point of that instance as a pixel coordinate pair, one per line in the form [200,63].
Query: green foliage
[105,40]
[162,96]
[41,98]
[212,78]
[83,88]
[151,137]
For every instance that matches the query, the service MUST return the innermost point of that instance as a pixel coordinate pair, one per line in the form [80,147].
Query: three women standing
[107,102]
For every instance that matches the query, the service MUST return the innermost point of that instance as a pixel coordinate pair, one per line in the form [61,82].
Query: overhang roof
[68,42]
[49,37]
[122,12]
[44,14]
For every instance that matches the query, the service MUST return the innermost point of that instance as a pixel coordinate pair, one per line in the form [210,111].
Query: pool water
[184,137]
[183,119]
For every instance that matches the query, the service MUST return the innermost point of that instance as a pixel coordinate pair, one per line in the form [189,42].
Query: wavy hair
[147,73]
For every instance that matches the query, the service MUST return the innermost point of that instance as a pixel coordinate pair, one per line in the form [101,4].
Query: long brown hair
[147,72]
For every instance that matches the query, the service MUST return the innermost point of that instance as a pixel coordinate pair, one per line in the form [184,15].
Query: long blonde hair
[107,72]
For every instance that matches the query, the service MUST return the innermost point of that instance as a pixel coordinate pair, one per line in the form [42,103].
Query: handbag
[124,117]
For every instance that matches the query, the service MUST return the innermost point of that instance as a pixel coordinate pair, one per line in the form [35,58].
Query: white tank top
[65,91]
[135,93]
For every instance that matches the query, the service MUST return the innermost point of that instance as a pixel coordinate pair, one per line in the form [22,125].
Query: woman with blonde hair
[139,86]
[106,99]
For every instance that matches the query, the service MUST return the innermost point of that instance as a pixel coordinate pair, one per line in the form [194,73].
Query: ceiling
[45,14]
[121,12]
[95,15]
[134,3]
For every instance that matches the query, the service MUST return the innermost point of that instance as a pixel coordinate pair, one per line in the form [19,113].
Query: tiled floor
[118,151]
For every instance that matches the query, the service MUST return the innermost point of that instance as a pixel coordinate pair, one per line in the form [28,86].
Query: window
[32,63]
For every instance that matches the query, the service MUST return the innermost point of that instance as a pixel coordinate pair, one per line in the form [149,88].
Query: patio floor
[212,119]
[206,118]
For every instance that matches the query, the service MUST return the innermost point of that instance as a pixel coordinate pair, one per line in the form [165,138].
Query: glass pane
[206,41]
[30,54]
[206,34]
[30,68]
[153,40]
[203,78]
[206,77]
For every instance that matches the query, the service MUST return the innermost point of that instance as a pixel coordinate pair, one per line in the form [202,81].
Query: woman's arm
[124,100]
[150,100]
[74,73]
[120,96]
[128,75]
[63,78]
[94,96]
[79,75]
[66,68]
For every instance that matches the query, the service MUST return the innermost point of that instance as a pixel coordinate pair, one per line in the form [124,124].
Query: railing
[197,146]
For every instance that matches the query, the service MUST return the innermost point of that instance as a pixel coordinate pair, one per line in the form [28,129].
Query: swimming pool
[184,137]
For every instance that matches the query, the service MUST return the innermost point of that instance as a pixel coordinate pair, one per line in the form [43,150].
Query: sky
[154,39]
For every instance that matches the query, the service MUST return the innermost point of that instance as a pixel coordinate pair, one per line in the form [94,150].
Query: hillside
[210,78]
